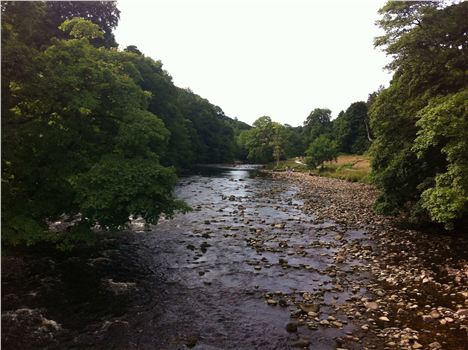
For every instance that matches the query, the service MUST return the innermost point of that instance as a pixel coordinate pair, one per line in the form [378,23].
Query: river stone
[427,318]
[301,343]
[306,308]
[291,327]
[462,312]
[372,305]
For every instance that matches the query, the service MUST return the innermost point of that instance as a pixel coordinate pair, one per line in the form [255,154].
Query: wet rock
[462,313]
[28,327]
[296,313]
[384,319]
[119,288]
[435,346]
[271,302]
[427,318]
[191,342]
[291,327]
[306,308]
[301,343]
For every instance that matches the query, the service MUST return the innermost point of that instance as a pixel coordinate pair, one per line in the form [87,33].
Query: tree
[419,120]
[78,139]
[265,141]
[317,123]
[37,23]
[445,122]
[278,141]
[350,129]
[295,144]
[257,140]
[322,149]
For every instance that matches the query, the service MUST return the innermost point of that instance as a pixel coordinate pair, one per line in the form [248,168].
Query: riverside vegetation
[103,245]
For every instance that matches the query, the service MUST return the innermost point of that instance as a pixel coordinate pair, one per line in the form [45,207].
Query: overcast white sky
[280,58]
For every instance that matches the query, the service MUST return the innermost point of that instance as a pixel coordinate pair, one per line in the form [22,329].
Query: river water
[227,275]
[246,241]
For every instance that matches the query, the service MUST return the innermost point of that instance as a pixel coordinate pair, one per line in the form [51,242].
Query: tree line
[415,130]
[91,131]
[320,137]
[97,133]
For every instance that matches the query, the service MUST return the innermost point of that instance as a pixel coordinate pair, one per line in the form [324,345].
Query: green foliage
[296,144]
[322,149]
[265,141]
[317,123]
[37,23]
[444,123]
[90,132]
[78,139]
[80,28]
[419,121]
[350,129]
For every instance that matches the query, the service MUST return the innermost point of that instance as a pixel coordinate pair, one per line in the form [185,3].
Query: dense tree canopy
[266,141]
[317,123]
[350,129]
[89,131]
[322,149]
[79,140]
[419,121]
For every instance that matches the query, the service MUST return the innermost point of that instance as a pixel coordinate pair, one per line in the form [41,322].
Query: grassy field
[348,167]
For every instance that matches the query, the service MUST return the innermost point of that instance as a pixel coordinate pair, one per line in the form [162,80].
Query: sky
[280,58]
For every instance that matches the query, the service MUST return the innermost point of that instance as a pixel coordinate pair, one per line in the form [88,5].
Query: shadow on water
[225,276]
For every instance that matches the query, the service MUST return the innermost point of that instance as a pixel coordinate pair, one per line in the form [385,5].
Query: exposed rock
[291,327]
[306,308]
[301,343]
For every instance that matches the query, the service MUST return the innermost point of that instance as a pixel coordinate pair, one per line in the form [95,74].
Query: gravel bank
[419,294]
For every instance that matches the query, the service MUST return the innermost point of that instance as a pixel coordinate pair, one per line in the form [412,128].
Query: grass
[349,167]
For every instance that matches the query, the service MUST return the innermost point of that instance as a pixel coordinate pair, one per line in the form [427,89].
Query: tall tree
[419,118]
[265,141]
[350,129]
[78,139]
[317,123]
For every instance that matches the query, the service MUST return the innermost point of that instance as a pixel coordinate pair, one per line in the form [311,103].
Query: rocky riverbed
[418,296]
[284,261]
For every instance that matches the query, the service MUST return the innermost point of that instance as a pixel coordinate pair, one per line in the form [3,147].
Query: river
[245,269]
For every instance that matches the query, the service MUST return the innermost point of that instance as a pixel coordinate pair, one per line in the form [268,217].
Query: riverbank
[264,261]
[420,280]
[349,167]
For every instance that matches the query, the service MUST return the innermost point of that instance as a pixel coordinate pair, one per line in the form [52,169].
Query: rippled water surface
[219,261]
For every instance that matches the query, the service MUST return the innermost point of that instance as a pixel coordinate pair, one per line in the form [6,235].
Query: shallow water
[220,259]
[202,278]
